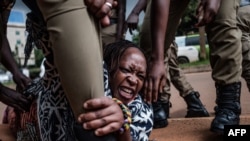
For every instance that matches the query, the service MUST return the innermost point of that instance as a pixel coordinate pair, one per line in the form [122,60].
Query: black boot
[160,117]
[194,106]
[89,135]
[228,109]
[166,106]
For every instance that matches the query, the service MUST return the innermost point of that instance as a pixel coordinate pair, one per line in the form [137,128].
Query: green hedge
[34,72]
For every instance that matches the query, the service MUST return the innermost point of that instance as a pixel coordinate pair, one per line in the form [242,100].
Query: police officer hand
[101,9]
[14,99]
[103,114]
[21,81]
[206,11]
[132,22]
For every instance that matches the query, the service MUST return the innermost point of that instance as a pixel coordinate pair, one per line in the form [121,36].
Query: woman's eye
[124,70]
[141,77]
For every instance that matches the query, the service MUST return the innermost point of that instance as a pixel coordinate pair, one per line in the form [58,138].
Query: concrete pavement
[190,129]
[203,83]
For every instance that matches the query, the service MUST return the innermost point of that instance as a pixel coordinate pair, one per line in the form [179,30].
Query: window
[193,40]
[17,33]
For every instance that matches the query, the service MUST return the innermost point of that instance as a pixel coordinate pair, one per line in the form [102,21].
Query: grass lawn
[195,64]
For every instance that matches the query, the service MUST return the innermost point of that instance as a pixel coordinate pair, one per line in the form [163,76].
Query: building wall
[17,35]
[17,40]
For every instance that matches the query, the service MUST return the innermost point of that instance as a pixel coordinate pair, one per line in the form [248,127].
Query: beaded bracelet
[127,115]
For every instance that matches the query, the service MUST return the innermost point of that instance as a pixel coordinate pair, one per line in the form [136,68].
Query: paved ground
[203,83]
[191,129]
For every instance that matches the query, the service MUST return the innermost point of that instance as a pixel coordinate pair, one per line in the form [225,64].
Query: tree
[202,43]
[135,36]
[39,57]
[188,20]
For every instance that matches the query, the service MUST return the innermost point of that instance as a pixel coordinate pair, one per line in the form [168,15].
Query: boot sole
[197,114]
[217,131]
[160,124]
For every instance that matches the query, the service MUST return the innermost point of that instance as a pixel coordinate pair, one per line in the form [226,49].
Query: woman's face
[128,79]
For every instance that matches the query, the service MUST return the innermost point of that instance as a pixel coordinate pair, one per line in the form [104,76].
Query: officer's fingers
[115,3]
[149,91]
[155,90]
[208,17]
[110,128]
[104,121]
[94,5]
[199,10]
[105,21]
[105,9]
[162,85]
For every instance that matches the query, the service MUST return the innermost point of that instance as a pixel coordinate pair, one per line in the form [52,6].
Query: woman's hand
[103,114]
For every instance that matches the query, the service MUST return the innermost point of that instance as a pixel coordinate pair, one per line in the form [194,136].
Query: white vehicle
[5,76]
[186,54]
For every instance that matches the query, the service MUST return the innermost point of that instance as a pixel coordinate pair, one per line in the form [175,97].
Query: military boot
[160,117]
[194,106]
[166,106]
[228,109]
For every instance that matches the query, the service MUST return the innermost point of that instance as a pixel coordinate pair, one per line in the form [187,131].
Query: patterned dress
[55,118]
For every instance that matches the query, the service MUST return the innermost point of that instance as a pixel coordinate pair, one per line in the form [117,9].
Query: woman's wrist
[126,114]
